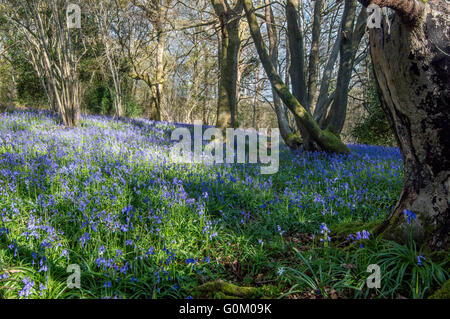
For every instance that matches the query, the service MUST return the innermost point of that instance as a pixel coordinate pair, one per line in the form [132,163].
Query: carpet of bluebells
[106,197]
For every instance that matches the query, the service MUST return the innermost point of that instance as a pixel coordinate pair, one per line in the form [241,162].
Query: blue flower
[409,216]
[280,271]
[84,239]
[26,291]
[325,231]
[4,276]
[419,259]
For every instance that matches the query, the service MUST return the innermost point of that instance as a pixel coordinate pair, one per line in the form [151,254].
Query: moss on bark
[220,289]
[443,293]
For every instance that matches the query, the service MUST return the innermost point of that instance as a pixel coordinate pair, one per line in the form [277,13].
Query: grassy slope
[105,196]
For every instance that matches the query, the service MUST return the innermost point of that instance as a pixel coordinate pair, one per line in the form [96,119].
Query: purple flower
[65,253]
[4,276]
[26,291]
[84,239]
[325,231]
[409,216]
[419,260]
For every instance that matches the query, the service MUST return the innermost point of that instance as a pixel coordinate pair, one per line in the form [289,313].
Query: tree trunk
[324,100]
[317,139]
[102,17]
[283,124]
[336,117]
[411,65]
[313,64]
[158,87]
[205,96]
[331,109]
[229,55]
[296,50]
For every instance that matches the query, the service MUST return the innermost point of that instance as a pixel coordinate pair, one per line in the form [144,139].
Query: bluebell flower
[27,289]
[409,215]
[419,260]
[84,239]
[325,232]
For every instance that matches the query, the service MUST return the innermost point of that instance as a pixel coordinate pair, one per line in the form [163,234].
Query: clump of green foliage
[374,127]
[405,271]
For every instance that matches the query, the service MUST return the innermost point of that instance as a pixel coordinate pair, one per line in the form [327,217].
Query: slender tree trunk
[296,51]
[411,65]
[255,103]
[331,108]
[324,99]
[336,117]
[205,95]
[158,87]
[102,17]
[283,124]
[313,65]
[317,139]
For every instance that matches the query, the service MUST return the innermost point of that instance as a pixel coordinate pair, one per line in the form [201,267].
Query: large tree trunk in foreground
[317,139]
[412,65]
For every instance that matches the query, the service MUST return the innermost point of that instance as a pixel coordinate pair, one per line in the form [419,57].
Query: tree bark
[330,111]
[323,101]
[296,50]
[411,65]
[283,124]
[102,14]
[313,65]
[158,87]
[229,55]
[336,117]
[317,139]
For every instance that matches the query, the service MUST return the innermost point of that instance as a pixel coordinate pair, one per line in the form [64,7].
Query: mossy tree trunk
[292,140]
[229,55]
[316,139]
[412,63]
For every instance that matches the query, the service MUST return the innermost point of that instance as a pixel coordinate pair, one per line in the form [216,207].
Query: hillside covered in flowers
[106,197]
